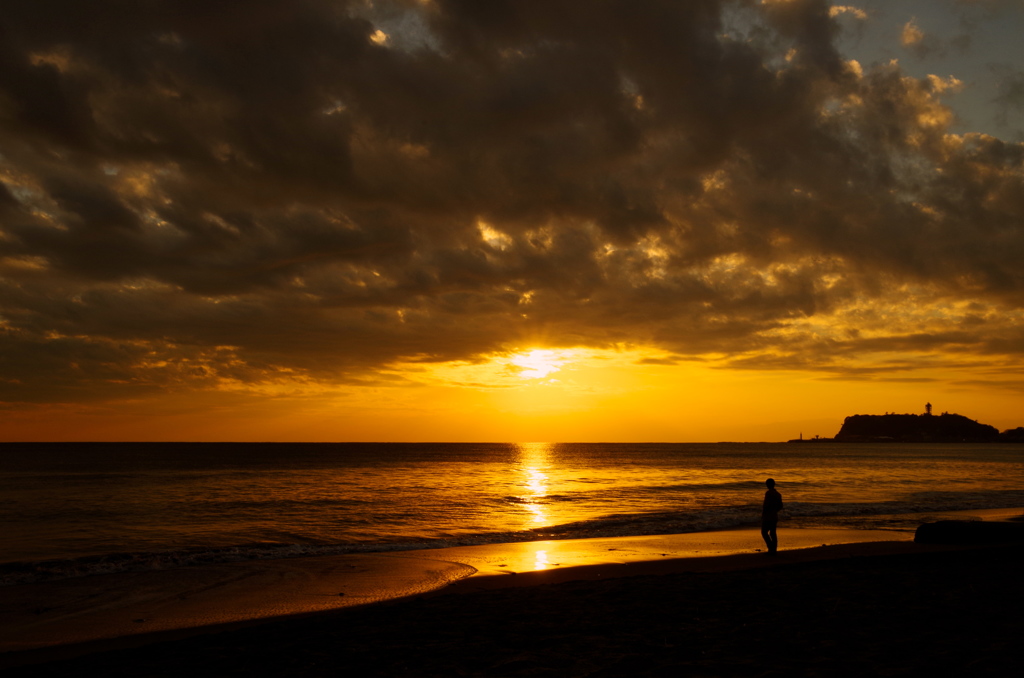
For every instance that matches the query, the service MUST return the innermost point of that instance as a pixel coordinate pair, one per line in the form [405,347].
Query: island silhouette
[917,428]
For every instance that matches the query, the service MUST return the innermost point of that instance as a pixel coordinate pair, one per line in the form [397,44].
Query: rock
[968,532]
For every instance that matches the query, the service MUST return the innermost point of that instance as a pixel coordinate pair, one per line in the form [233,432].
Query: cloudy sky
[507,220]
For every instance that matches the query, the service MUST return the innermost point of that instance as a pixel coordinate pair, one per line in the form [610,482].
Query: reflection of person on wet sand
[770,516]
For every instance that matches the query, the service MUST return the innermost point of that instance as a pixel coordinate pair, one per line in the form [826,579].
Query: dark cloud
[1009,100]
[196,194]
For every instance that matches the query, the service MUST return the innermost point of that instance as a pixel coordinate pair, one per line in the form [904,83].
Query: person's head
[770,483]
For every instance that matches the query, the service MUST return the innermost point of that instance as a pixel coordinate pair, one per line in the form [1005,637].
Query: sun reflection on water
[534,467]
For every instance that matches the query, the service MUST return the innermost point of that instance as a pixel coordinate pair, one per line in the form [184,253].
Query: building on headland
[815,439]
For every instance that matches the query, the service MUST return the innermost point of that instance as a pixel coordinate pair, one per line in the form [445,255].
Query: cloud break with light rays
[282,200]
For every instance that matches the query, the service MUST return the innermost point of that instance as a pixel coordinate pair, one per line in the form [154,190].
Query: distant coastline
[917,428]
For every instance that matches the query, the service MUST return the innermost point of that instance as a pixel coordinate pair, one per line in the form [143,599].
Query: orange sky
[551,395]
[485,221]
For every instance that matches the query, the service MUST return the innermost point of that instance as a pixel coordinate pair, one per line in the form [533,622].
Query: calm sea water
[75,509]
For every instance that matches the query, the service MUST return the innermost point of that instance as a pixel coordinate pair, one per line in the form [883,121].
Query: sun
[540,362]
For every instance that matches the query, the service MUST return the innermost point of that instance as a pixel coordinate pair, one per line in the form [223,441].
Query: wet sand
[938,612]
[614,607]
[194,599]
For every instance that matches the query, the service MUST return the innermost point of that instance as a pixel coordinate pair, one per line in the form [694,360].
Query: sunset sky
[455,220]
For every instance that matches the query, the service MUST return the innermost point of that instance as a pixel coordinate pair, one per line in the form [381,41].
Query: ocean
[78,509]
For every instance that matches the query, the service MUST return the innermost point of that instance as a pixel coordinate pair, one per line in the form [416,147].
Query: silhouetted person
[770,516]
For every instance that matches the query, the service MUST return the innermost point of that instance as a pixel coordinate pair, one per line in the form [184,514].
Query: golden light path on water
[535,469]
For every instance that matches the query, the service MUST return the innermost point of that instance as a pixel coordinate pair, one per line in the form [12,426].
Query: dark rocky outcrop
[1013,435]
[919,428]
[968,532]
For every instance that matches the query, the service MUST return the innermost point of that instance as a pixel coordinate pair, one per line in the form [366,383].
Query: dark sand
[928,612]
[119,609]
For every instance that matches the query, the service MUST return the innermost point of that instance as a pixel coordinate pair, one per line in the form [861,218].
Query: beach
[857,608]
[500,559]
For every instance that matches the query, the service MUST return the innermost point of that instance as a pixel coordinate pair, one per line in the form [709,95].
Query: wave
[112,563]
[543,499]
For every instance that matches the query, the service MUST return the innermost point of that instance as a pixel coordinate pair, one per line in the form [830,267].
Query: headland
[917,428]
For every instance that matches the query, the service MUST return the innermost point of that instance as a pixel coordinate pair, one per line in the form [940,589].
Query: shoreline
[82,615]
[49,621]
[853,609]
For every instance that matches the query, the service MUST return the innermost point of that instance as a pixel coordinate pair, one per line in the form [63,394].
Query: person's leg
[771,540]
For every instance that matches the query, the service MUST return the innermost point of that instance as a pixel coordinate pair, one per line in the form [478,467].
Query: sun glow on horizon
[578,394]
